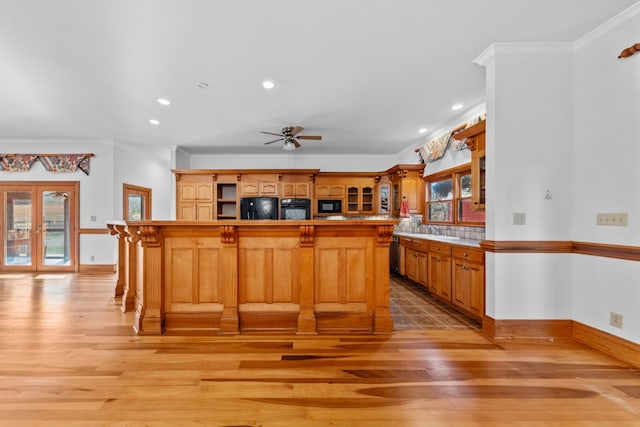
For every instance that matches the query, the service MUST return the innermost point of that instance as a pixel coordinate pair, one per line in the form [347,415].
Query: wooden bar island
[267,276]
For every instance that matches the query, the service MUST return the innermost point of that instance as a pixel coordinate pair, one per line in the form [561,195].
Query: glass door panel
[18,228]
[39,230]
[55,228]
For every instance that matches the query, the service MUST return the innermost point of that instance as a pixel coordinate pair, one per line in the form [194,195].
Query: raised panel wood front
[268,273]
[341,277]
[194,277]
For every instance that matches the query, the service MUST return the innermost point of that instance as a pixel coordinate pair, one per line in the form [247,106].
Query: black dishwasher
[394,255]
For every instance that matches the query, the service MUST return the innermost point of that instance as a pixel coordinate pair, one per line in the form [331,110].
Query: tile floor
[413,307]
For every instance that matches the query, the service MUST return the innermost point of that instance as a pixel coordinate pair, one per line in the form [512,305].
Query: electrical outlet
[93,257]
[94,218]
[615,219]
[615,320]
[519,218]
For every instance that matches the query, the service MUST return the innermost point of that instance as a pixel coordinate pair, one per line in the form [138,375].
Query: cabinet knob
[465,254]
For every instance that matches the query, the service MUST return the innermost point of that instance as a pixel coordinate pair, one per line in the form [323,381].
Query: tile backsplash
[414,225]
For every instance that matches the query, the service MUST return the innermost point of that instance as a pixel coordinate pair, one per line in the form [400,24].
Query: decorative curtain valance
[435,149]
[51,162]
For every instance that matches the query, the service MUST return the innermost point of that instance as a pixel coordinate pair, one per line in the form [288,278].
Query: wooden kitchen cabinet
[296,189]
[439,270]
[253,189]
[407,182]
[475,140]
[194,197]
[416,261]
[468,280]
[330,191]
[360,199]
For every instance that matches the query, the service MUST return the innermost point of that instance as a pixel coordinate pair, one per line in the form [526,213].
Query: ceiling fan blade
[275,140]
[296,130]
[271,133]
[296,143]
[314,137]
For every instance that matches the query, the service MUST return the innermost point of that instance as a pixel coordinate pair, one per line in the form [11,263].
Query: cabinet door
[440,274]
[411,264]
[476,289]
[422,269]
[187,212]
[188,191]
[205,212]
[478,173]
[205,191]
[353,199]
[302,189]
[268,189]
[468,286]
[367,200]
[249,189]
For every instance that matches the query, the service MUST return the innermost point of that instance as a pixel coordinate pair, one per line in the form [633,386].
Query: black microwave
[330,206]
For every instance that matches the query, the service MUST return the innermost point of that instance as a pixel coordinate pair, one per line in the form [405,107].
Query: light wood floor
[68,357]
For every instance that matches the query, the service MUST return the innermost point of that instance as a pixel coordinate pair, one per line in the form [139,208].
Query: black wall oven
[295,209]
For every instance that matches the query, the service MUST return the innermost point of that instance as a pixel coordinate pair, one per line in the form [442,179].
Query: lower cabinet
[455,274]
[440,270]
[468,281]
[416,266]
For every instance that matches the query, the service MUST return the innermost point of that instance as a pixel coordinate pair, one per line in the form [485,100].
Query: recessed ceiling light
[267,84]
[456,106]
[203,85]
[163,101]
[423,130]
[154,122]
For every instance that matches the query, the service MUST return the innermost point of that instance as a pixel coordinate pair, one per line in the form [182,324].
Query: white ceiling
[364,74]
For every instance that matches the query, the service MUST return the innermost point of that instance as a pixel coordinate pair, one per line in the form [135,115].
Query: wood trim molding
[97,268]
[607,343]
[93,231]
[597,339]
[533,246]
[630,253]
[545,328]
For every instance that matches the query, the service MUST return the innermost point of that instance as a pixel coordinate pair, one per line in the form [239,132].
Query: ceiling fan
[290,137]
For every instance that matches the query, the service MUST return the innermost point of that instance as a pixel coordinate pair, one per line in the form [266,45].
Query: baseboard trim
[97,268]
[531,328]
[607,343]
[611,345]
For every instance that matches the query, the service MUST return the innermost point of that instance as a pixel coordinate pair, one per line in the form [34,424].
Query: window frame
[455,174]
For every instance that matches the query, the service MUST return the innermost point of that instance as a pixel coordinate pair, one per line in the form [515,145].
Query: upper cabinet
[407,182]
[194,197]
[475,136]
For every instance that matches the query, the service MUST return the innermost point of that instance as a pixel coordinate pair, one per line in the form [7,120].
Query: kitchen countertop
[445,239]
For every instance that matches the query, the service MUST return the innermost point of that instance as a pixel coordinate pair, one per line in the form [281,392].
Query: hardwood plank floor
[69,358]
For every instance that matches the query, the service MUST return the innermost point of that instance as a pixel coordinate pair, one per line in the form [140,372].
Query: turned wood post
[149,315]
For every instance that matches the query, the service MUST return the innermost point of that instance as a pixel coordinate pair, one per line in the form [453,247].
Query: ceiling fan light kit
[289,135]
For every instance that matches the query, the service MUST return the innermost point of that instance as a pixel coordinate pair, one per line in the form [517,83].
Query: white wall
[606,172]
[326,163]
[100,191]
[135,167]
[528,153]
[566,122]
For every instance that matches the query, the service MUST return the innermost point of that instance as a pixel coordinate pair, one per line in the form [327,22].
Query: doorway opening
[40,226]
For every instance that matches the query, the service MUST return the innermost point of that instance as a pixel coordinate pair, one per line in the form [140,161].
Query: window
[136,203]
[449,198]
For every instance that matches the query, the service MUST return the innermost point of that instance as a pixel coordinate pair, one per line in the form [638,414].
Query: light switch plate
[519,218]
[615,219]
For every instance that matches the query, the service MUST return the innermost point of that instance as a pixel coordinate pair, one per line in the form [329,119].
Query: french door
[39,226]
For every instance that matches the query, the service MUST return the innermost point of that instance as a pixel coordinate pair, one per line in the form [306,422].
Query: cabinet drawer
[440,248]
[420,245]
[405,242]
[469,254]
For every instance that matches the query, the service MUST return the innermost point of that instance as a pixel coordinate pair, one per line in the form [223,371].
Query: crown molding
[608,26]
[542,50]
